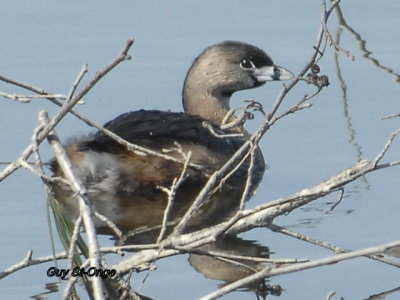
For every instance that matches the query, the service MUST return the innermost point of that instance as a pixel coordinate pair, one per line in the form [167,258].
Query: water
[45,43]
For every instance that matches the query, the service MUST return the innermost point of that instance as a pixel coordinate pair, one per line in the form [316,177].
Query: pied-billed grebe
[124,185]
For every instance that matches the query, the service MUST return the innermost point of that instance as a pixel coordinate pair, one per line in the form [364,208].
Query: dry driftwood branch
[249,218]
[84,208]
[260,216]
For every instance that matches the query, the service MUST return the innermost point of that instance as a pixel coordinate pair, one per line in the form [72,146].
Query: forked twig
[171,192]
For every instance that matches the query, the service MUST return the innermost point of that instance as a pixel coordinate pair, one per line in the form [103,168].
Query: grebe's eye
[247,64]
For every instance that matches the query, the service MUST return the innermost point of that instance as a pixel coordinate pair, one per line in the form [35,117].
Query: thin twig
[390,117]
[249,178]
[28,98]
[74,238]
[386,147]
[337,202]
[210,127]
[171,192]
[109,223]
[326,245]
[324,21]
[240,257]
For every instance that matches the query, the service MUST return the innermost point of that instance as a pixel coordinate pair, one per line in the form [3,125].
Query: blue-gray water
[45,43]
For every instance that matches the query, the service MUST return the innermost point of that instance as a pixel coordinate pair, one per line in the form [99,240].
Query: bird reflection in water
[232,258]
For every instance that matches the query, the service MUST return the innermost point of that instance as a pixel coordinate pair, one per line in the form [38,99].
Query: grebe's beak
[270,73]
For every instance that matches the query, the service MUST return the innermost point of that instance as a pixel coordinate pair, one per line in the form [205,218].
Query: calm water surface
[45,43]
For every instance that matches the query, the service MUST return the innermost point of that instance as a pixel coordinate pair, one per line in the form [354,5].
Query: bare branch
[28,261]
[326,245]
[65,108]
[25,86]
[270,272]
[240,257]
[84,206]
[259,216]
